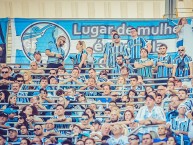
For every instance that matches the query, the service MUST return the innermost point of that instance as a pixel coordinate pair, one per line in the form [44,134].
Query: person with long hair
[4,94]
[80,58]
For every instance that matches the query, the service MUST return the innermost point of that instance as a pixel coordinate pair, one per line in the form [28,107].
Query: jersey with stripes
[135,45]
[78,57]
[164,72]
[112,51]
[145,72]
[185,70]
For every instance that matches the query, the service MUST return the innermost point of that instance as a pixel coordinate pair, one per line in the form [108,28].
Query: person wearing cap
[113,49]
[150,114]
[37,58]
[13,139]
[96,130]
[180,125]
[11,112]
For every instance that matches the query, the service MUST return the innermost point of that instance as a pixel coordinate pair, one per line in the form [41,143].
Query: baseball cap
[12,128]
[37,52]
[181,105]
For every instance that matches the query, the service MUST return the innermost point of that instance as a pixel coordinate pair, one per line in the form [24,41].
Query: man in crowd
[147,139]
[183,66]
[135,44]
[113,50]
[34,68]
[56,53]
[164,63]
[5,79]
[13,139]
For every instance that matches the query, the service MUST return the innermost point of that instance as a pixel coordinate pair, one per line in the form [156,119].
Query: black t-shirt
[5,87]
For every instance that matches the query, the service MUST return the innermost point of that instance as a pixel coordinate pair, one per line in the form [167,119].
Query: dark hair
[45,91]
[23,125]
[124,67]
[183,90]
[51,78]
[62,68]
[134,77]
[132,91]
[107,109]
[144,49]
[28,141]
[120,55]
[43,78]
[132,28]
[60,105]
[92,69]
[92,111]
[18,76]
[175,139]
[164,45]
[85,114]
[114,31]
[132,115]
[90,139]
[134,135]
[150,96]
[105,137]
[34,109]
[6,93]
[148,134]
[59,92]
[67,141]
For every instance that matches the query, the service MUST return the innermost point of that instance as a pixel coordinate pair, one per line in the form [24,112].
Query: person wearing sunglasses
[84,121]
[133,139]
[56,53]
[183,66]
[38,132]
[113,49]
[5,79]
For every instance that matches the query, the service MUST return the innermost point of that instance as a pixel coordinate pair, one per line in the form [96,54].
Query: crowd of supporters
[133,100]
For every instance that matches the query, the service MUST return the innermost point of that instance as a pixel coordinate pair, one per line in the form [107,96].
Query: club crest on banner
[37,36]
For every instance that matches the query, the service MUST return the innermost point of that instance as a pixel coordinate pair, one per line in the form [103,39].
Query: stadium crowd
[133,100]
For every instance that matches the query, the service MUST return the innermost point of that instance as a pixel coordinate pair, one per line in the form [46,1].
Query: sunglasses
[132,139]
[20,80]
[181,50]
[37,129]
[4,72]
[52,73]
[84,119]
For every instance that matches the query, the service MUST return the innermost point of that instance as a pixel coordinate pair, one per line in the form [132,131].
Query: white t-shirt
[122,140]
